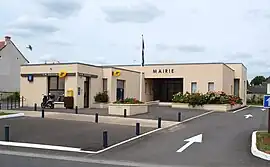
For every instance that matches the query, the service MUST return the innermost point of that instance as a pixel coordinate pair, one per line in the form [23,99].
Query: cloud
[26,25]
[61,8]
[137,14]
[59,42]
[190,48]
[162,47]
[241,55]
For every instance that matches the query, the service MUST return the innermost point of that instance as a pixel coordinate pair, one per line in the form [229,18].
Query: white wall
[10,62]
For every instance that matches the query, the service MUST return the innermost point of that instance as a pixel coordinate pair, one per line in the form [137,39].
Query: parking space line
[241,109]
[79,150]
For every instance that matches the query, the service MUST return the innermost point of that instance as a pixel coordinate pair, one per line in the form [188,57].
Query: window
[236,87]
[56,87]
[105,81]
[211,86]
[145,88]
[193,87]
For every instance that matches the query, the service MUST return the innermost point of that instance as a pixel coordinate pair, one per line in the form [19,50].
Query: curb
[12,116]
[254,149]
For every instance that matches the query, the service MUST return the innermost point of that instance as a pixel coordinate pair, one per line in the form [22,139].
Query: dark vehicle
[48,101]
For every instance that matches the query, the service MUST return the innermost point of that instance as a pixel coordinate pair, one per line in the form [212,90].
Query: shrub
[208,98]
[101,97]
[128,101]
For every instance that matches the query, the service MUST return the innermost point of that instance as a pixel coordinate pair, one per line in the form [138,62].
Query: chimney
[7,39]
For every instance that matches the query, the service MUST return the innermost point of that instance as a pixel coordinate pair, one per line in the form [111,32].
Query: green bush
[128,101]
[208,98]
[102,97]
[255,100]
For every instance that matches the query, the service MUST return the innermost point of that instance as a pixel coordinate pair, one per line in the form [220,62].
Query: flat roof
[114,66]
[70,63]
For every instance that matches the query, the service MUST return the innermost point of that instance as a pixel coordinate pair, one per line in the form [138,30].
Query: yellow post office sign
[62,74]
[116,73]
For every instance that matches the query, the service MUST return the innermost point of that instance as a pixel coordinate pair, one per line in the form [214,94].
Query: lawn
[4,113]
[263,141]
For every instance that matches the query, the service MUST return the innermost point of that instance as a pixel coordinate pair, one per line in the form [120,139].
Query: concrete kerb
[79,150]
[12,115]
[241,109]
[254,149]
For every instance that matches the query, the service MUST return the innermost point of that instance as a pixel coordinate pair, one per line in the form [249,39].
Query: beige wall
[132,83]
[200,73]
[241,73]
[220,74]
[228,80]
[74,82]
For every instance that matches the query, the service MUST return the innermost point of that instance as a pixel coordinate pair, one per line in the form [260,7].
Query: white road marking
[248,116]
[190,141]
[241,109]
[83,160]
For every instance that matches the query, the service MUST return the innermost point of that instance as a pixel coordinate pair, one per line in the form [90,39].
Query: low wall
[213,107]
[131,109]
[153,102]
[100,105]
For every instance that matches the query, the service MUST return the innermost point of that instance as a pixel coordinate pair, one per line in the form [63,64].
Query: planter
[214,107]
[131,109]
[59,105]
[99,105]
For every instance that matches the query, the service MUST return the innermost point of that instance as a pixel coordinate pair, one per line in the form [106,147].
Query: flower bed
[130,106]
[101,100]
[217,101]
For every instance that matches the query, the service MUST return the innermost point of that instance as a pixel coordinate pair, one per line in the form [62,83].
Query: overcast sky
[109,31]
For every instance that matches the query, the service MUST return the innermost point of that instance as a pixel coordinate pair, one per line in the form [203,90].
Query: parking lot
[84,135]
[166,113]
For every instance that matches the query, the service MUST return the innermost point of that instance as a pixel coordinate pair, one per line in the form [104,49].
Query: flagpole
[141,73]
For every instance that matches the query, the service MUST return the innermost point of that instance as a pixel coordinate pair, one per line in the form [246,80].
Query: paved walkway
[91,118]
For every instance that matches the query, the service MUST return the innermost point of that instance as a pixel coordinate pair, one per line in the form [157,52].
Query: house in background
[10,61]
[255,93]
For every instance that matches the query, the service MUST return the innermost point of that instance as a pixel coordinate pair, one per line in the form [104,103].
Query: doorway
[120,90]
[165,88]
[86,92]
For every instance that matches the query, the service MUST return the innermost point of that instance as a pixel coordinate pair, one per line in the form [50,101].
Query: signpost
[266,104]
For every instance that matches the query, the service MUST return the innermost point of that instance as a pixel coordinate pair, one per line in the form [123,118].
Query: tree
[258,80]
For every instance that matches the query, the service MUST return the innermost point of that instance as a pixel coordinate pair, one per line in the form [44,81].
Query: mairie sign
[266,101]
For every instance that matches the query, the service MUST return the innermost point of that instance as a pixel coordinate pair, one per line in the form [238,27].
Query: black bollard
[22,101]
[105,139]
[179,116]
[7,103]
[137,129]
[6,133]
[76,110]
[125,112]
[11,103]
[15,103]
[42,113]
[159,122]
[35,107]
[96,118]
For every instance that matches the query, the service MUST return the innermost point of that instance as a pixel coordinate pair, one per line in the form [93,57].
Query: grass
[263,141]
[4,113]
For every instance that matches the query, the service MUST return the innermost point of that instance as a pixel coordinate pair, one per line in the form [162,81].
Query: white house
[10,61]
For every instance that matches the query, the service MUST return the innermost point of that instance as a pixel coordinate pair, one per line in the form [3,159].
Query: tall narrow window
[193,87]
[56,87]
[105,88]
[211,86]
[236,87]
[145,88]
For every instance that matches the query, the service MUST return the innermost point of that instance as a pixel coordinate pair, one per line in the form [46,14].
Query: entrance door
[165,88]
[120,91]
[86,92]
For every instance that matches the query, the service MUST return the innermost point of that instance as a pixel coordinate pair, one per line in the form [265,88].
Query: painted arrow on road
[248,116]
[190,141]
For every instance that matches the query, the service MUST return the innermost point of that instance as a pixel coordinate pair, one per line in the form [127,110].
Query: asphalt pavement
[85,135]
[226,141]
